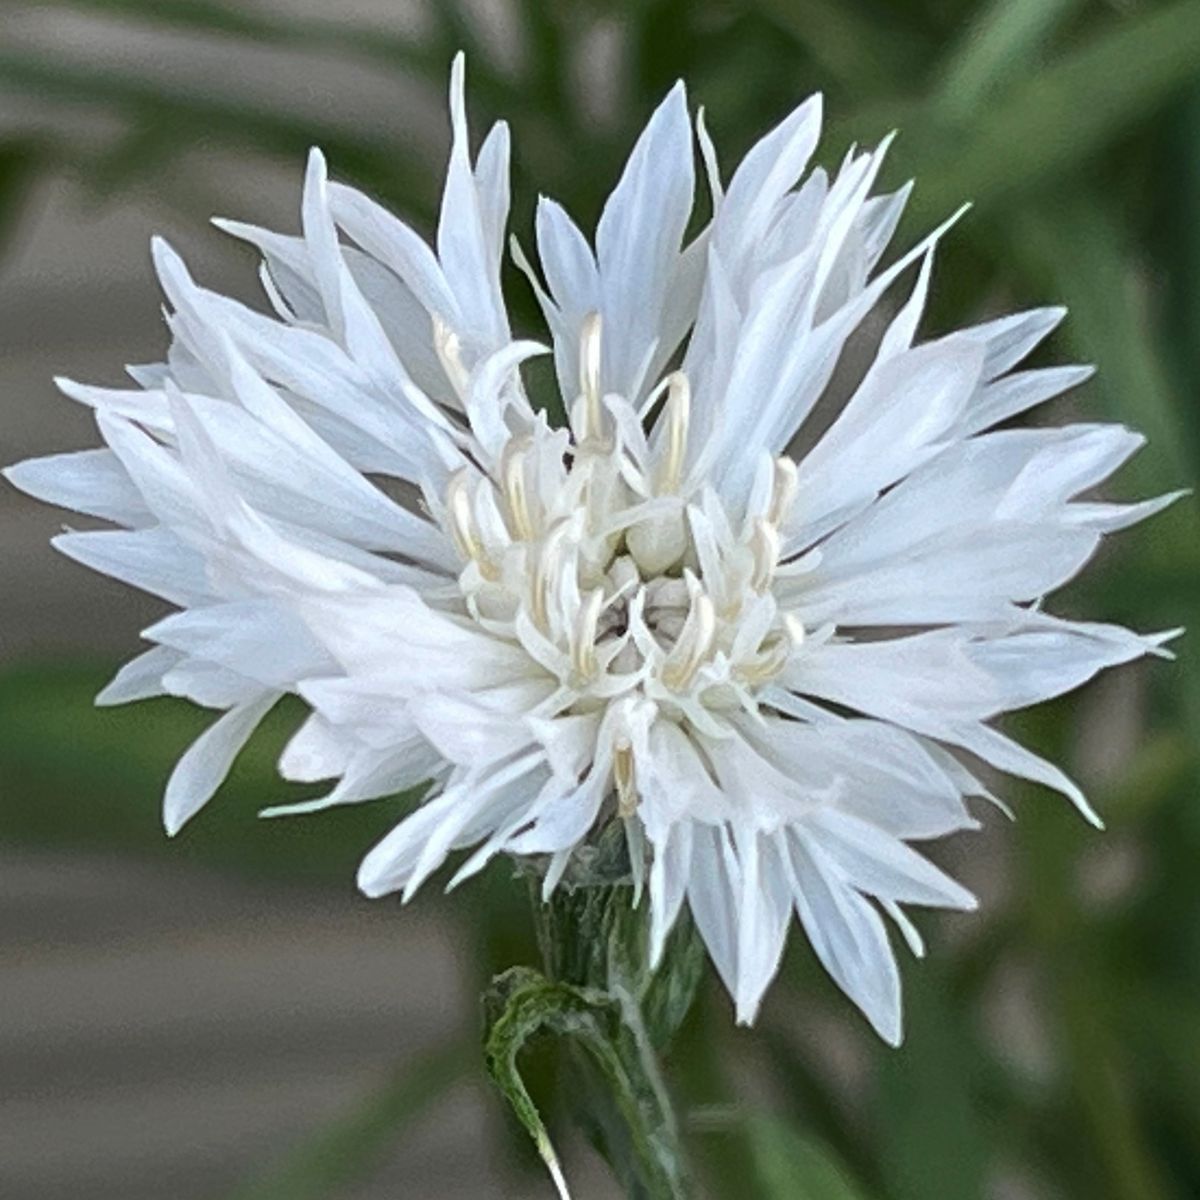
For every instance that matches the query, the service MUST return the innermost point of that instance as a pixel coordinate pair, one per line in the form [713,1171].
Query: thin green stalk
[855,49]
[612,1015]
[998,46]
[1062,116]
[1082,1010]
[626,1106]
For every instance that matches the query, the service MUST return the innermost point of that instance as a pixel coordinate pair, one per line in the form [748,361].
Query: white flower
[665,614]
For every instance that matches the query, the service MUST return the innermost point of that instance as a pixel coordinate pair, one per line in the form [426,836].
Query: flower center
[607,557]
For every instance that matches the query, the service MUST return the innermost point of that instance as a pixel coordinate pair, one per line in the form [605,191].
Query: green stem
[592,936]
[616,1016]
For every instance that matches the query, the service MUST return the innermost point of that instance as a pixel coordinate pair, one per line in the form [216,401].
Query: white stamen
[783,490]
[589,372]
[545,573]
[768,662]
[512,477]
[678,413]
[623,774]
[463,528]
[695,641]
[583,648]
[764,546]
[449,352]
[655,395]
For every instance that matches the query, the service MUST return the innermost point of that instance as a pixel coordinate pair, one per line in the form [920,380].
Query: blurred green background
[220,1015]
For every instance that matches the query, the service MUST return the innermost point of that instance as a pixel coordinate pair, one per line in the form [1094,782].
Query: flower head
[756,646]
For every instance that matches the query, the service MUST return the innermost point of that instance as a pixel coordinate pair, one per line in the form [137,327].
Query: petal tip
[369,882]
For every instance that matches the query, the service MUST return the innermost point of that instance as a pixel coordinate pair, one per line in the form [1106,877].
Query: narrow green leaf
[930,1130]
[426,57]
[1117,1159]
[859,51]
[791,1166]
[1079,248]
[810,1101]
[515,1010]
[20,163]
[999,45]
[1175,232]
[523,1003]
[1062,116]
[1158,1023]
[349,1149]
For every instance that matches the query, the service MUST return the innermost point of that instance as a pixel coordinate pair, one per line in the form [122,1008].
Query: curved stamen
[678,414]
[623,775]
[783,490]
[545,574]
[768,662]
[583,645]
[589,373]
[795,629]
[695,641]
[463,528]
[512,480]
[449,351]
[764,547]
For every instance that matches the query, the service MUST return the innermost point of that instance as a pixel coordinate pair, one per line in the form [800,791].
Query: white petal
[713,890]
[366,630]
[154,560]
[898,417]
[258,638]
[1009,339]
[574,287]
[1011,395]
[492,184]
[968,574]
[419,844]
[317,750]
[210,684]
[881,865]
[465,233]
[563,819]
[765,909]
[468,734]
[88,481]
[1036,664]
[140,678]
[394,244]
[669,872]
[1008,756]
[849,938]
[768,171]
[638,240]
[206,762]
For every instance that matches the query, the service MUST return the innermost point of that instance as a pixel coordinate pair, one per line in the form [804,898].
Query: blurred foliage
[1074,126]
[349,1150]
